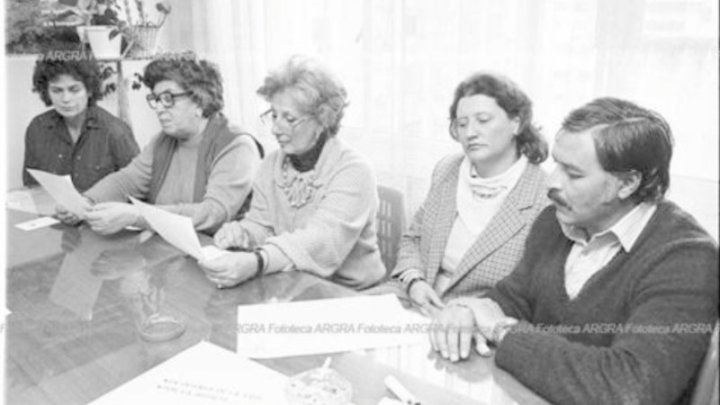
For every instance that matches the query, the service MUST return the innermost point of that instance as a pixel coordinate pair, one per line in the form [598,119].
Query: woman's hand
[424,296]
[111,217]
[232,235]
[66,217]
[230,269]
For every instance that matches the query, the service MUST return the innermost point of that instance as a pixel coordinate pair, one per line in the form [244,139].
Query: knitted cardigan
[334,234]
[224,169]
[637,331]
[218,135]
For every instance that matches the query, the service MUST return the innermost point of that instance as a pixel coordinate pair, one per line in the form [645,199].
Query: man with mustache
[616,295]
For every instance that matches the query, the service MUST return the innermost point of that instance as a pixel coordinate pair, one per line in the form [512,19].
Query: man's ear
[629,183]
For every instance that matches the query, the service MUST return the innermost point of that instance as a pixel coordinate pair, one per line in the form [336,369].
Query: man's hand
[488,320]
[452,331]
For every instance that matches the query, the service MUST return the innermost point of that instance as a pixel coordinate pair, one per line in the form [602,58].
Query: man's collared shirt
[587,257]
[105,145]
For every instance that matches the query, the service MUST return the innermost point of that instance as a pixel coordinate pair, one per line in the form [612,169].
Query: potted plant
[131,23]
[35,27]
[102,33]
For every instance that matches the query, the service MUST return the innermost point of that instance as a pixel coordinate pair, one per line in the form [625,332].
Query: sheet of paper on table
[37,223]
[177,230]
[326,326]
[202,375]
[34,200]
[62,191]
[21,200]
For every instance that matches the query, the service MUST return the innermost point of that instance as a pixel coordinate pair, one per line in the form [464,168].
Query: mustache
[554,196]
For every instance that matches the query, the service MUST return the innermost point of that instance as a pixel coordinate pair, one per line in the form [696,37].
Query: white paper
[326,326]
[211,252]
[175,229]
[62,191]
[178,231]
[388,401]
[37,223]
[21,200]
[203,374]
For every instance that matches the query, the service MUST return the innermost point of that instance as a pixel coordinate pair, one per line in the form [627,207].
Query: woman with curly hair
[470,231]
[75,137]
[315,199]
[198,166]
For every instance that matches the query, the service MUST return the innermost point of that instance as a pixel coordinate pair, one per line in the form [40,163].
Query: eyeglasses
[166,99]
[270,118]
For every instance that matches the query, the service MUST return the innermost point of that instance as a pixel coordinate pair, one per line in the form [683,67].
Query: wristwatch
[501,328]
[409,283]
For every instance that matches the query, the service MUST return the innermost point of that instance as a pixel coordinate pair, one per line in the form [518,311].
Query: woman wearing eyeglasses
[314,200]
[470,231]
[198,166]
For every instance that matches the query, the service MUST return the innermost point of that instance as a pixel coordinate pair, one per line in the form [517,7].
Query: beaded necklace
[299,187]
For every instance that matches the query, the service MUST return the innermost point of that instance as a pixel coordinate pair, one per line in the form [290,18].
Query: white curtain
[401,60]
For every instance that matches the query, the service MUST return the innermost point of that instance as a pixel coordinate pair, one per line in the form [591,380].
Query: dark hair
[516,104]
[628,138]
[200,77]
[82,68]
[325,94]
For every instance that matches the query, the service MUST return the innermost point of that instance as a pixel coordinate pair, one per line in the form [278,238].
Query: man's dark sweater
[637,331]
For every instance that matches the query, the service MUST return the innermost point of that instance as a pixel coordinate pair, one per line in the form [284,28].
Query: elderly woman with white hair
[314,199]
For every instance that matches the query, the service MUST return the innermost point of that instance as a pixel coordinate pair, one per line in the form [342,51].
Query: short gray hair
[325,95]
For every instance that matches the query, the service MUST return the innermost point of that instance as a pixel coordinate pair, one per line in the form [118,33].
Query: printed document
[327,326]
[62,191]
[177,230]
[204,374]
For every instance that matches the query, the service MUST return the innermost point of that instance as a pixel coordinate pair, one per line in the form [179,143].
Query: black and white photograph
[360,202]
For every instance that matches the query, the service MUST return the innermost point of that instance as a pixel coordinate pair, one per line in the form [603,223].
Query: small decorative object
[142,33]
[319,386]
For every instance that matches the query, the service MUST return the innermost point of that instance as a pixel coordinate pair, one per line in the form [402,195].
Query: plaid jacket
[497,249]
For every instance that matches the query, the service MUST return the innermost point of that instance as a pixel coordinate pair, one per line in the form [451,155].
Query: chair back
[706,387]
[390,223]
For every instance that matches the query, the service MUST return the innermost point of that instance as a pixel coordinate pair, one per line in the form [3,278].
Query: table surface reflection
[78,299]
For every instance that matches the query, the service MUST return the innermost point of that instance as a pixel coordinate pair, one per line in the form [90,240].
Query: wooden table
[77,299]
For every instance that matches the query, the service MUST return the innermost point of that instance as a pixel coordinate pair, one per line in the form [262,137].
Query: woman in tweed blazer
[470,231]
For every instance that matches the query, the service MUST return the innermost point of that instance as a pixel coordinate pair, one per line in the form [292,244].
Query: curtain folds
[401,59]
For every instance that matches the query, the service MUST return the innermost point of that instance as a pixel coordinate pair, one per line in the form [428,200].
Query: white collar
[626,230]
[508,178]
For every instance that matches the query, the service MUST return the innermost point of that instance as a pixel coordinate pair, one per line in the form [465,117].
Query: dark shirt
[105,145]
